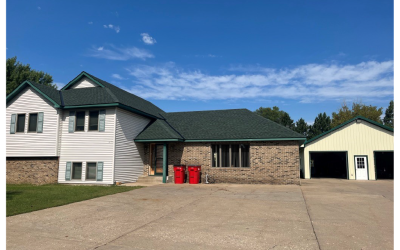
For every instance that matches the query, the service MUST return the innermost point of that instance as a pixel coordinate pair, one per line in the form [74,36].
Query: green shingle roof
[87,96]
[347,122]
[109,94]
[51,92]
[221,125]
[160,130]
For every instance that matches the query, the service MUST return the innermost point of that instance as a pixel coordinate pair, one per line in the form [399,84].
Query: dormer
[83,80]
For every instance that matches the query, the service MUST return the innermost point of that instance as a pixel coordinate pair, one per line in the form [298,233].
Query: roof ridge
[112,94]
[168,131]
[169,124]
[206,110]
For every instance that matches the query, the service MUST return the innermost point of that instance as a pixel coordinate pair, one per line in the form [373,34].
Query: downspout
[165,147]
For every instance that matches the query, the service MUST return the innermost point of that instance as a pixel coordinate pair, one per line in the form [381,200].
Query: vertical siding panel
[357,139]
[128,161]
[32,144]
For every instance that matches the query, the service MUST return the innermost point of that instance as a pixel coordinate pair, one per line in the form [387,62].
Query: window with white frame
[230,155]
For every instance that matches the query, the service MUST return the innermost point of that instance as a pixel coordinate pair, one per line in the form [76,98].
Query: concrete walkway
[320,214]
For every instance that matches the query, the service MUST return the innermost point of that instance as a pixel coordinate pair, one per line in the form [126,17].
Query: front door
[361,167]
[157,159]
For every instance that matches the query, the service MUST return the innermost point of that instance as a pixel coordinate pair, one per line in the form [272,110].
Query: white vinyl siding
[32,144]
[84,82]
[357,139]
[128,154]
[88,146]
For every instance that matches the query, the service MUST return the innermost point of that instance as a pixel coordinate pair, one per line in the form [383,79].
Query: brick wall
[273,162]
[43,170]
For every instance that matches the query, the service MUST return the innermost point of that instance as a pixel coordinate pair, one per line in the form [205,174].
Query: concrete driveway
[320,214]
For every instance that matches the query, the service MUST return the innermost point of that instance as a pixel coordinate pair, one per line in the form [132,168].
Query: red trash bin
[194,174]
[179,174]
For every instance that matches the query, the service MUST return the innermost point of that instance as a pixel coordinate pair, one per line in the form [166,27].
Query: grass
[28,198]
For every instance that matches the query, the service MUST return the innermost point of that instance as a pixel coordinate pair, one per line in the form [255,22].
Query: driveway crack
[309,216]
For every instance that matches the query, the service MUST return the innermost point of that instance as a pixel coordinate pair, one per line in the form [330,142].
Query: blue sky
[305,57]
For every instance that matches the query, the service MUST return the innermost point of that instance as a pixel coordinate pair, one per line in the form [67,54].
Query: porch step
[149,179]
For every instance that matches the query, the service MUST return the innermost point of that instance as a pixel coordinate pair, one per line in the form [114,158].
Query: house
[92,132]
[359,149]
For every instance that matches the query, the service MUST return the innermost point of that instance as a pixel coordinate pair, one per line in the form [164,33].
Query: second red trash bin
[179,174]
[194,174]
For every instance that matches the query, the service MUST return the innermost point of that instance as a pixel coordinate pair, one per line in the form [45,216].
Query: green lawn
[28,198]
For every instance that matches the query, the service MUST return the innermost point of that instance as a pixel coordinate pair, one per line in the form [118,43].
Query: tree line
[323,122]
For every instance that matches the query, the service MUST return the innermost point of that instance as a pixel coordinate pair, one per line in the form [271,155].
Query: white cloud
[305,83]
[120,53]
[147,39]
[90,22]
[111,26]
[117,76]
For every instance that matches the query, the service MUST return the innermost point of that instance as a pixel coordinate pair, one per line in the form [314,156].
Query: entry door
[361,168]
[157,160]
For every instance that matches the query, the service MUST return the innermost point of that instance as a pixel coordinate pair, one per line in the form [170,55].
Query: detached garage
[359,149]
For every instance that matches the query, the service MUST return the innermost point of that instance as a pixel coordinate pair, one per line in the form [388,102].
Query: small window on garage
[91,168]
[77,170]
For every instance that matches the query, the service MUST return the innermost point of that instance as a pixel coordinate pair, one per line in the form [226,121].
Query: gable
[354,135]
[28,100]
[84,82]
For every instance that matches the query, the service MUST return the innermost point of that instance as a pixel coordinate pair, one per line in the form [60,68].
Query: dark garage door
[328,165]
[384,165]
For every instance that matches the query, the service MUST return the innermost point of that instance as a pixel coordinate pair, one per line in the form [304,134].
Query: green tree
[322,123]
[388,120]
[276,115]
[344,114]
[287,121]
[301,127]
[17,73]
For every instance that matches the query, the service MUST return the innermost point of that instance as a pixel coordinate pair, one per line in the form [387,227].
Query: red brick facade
[272,162]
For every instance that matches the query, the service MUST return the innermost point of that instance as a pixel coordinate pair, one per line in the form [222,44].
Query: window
[77,170]
[80,121]
[91,170]
[360,163]
[93,120]
[230,155]
[21,123]
[32,127]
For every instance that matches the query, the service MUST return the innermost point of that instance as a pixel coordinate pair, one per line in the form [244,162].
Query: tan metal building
[359,149]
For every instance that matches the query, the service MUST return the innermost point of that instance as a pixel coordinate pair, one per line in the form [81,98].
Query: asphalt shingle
[222,125]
